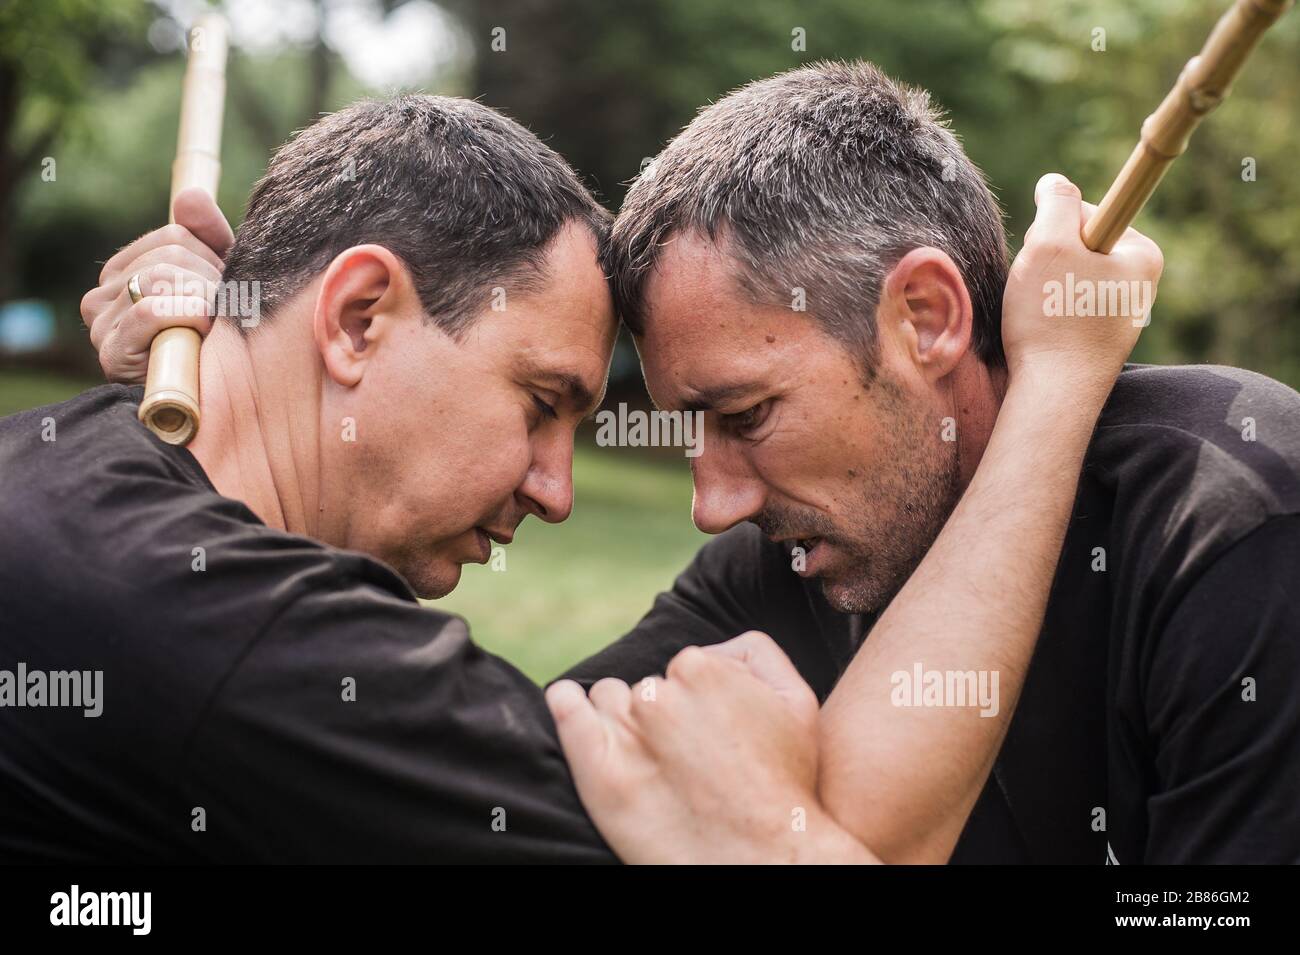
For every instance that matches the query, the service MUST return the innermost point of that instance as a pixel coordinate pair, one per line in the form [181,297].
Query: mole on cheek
[770,339]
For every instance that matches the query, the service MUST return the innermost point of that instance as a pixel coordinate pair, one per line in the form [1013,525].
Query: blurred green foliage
[1025,90]
[608,83]
[565,591]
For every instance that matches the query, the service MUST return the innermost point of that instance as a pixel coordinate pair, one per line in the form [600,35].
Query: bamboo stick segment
[1203,84]
[170,408]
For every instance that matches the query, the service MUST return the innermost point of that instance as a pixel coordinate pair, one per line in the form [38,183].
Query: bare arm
[975,604]
[977,600]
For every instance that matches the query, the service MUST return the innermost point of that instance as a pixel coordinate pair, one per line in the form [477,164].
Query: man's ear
[364,291]
[925,307]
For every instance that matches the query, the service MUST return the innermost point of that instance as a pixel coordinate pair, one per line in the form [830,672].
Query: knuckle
[173,234]
[89,306]
[174,254]
[114,369]
[640,706]
[690,664]
[605,685]
[1156,258]
[142,313]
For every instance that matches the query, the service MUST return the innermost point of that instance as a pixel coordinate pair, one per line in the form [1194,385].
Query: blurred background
[89,101]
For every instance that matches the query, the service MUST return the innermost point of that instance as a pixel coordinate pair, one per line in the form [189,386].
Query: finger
[611,696]
[199,212]
[1087,210]
[172,288]
[110,298]
[689,665]
[1135,245]
[1060,212]
[184,275]
[94,304]
[119,369]
[141,323]
[168,235]
[581,729]
[765,659]
[769,663]
[158,260]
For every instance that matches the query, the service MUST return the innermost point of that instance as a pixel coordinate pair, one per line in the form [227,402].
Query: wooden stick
[1203,84]
[170,408]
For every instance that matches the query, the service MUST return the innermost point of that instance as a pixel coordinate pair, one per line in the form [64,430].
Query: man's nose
[547,489]
[727,491]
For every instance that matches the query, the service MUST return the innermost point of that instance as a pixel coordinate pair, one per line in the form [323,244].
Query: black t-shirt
[223,694]
[1160,720]
[226,731]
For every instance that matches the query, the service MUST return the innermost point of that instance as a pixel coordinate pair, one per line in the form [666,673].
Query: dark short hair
[821,178]
[464,196]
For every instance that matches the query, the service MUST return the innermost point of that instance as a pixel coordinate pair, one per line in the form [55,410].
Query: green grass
[20,390]
[567,590]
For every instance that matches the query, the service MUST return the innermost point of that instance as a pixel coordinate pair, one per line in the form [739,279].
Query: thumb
[198,212]
[1060,210]
[580,727]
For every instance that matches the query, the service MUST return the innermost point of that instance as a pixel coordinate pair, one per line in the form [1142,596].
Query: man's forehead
[706,344]
[702,361]
[691,266]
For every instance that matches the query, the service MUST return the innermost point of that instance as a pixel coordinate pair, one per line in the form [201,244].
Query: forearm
[903,779]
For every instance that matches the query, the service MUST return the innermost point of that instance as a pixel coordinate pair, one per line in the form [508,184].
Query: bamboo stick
[1203,84]
[170,408]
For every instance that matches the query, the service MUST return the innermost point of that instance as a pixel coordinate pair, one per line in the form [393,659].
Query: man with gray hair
[816,264]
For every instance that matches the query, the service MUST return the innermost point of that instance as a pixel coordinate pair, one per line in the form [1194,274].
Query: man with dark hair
[272,691]
[465,197]
[1159,721]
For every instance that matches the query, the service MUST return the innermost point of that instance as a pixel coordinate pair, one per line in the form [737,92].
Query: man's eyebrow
[706,399]
[571,387]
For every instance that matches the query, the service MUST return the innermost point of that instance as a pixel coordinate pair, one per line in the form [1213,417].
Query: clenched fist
[715,762]
[179,267]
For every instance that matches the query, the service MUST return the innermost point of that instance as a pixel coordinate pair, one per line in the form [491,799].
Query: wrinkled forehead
[704,338]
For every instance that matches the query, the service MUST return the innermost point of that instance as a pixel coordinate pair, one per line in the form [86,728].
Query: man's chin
[431,582]
[850,594]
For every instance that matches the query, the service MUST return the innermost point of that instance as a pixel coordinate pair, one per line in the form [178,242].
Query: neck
[977,392]
[245,443]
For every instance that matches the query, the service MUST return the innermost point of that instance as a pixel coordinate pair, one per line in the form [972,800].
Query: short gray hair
[821,178]
[464,196]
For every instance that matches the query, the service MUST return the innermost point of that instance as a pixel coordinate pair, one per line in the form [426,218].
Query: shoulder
[102,517]
[1197,456]
[1188,467]
[1207,427]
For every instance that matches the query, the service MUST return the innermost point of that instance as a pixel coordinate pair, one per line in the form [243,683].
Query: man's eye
[749,419]
[544,408]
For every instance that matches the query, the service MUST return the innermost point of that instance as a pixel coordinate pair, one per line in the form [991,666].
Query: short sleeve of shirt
[361,727]
[1223,710]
